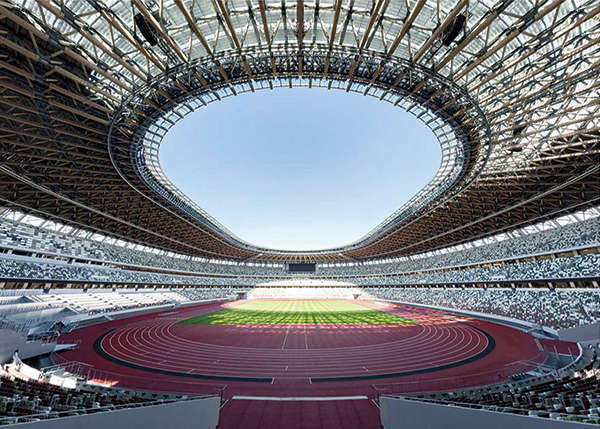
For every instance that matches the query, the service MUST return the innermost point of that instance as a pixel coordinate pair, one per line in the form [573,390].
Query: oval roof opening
[300,170]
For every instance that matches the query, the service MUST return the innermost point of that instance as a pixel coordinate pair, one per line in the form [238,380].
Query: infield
[297,312]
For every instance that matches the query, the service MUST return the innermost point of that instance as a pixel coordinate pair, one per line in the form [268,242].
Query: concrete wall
[196,414]
[406,414]
[581,334]
[11,341]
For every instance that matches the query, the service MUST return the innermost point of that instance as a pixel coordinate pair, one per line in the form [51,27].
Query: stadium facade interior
[122,301]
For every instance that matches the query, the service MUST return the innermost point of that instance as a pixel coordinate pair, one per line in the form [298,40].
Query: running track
[304,360]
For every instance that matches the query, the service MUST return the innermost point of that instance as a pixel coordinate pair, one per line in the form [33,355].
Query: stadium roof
[88,89]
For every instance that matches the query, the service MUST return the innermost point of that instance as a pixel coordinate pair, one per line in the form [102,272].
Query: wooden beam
[300,22]
[263,17]
[367,32]
[96,42]
[81,98]
[150,18]
[406,26]
[336,18]
[190,20]
[116,24]
[485,24]
[436,34]
[230,26]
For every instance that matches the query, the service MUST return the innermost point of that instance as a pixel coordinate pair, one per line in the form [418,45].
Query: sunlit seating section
[70,302]
[553,308]
[19,398]
[154,298]
[307,292]
[201,294]
[93,303]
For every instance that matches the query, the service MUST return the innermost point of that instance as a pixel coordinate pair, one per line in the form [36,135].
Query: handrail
[493,408]
[446,385]
[55,414]
[486,378]
[93,377]
[76,343]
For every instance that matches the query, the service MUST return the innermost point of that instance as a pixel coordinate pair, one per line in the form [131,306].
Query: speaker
[518,130]
[453,29]
[145,28]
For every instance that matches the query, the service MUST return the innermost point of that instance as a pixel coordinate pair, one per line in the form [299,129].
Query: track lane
[154,345]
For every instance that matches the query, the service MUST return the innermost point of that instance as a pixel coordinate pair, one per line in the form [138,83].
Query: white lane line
[538,344]
[305,337]
[160,329]
[140,338]
[301,398]
[285,338]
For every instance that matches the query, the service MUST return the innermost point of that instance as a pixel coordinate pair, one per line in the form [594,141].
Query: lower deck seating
[29,398]
[575,397]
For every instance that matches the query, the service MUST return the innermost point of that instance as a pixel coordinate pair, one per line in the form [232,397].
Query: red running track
[306,360]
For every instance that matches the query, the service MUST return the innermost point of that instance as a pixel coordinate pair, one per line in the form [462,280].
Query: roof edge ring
[138,126]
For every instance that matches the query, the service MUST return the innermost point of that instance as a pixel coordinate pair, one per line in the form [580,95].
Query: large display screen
[302,268]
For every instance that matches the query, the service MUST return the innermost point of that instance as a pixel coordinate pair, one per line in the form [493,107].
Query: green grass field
[315,312]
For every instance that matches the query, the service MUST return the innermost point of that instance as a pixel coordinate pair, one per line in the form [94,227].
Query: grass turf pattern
[297,312]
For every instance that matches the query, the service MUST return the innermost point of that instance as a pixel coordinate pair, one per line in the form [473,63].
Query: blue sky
[300,169]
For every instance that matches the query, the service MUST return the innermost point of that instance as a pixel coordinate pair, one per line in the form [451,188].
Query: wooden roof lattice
[86,97]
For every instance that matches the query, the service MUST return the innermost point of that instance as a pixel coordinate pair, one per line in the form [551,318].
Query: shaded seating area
[21,398]
[575,397]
